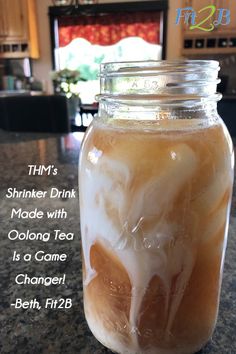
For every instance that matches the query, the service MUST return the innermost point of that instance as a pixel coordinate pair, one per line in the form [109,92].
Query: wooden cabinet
[231,5]
[207,36]
[200,16]
[15,12]
[18,29]
[2,21]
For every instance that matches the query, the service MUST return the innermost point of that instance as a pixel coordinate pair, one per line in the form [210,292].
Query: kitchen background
[32,109]
[32,44]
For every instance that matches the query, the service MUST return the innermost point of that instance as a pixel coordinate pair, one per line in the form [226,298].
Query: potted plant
[65,82]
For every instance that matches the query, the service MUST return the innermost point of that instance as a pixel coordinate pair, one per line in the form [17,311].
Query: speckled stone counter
[65,331]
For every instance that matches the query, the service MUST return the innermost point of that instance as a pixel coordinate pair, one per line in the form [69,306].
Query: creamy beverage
[155,199]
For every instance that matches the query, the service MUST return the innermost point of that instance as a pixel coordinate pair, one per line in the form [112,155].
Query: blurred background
[54,48]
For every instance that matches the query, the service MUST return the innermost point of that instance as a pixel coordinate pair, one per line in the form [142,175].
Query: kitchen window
[85,37]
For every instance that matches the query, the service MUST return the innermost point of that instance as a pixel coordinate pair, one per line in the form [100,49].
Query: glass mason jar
[155,181]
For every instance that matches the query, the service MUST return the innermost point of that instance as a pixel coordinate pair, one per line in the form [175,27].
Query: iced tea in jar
[155,180]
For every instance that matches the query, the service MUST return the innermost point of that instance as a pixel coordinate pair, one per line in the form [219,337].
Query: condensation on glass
[155,180]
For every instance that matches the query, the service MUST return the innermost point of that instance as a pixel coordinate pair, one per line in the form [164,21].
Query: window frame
[56,12]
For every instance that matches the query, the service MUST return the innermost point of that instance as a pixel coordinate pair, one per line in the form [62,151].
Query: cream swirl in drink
[154,214]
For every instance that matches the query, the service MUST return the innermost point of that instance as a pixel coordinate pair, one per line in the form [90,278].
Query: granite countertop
[65,331]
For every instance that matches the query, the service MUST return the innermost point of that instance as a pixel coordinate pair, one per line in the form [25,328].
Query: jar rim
[156,66]
[153,80]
